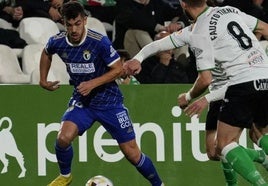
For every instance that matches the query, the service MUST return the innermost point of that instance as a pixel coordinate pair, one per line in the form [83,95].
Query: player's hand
[85,88]
[173,27]
[196,107]
[50,85]
[182,102]
[132,67]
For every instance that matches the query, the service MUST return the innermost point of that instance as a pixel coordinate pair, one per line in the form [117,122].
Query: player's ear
[85,20]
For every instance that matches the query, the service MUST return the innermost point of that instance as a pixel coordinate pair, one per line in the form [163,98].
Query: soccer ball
[99,181]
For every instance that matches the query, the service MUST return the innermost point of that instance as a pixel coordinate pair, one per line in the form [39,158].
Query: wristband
[188,96]
[209,98]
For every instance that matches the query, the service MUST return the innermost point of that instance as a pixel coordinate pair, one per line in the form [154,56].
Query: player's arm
[199,87]
[259,27]
[175,40]
[133,66]
[262,29]
[200,104]
[116,71]
[203,51]
[45,63]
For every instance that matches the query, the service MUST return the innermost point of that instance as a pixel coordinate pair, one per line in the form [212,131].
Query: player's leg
[64,152]
[228,171]
[142,162]
[211,126]
[227,137]
[236,114]
[71,127]
[259,135]
[118,124]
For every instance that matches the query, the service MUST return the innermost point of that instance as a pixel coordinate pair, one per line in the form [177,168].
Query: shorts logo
[8,146]
[123,119]
[261,84]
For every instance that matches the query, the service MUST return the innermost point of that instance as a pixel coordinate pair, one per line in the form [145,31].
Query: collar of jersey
[82,41]
[202,13]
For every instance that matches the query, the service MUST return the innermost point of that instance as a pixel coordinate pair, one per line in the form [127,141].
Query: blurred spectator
[43,8]
[103,10]
[250,7]
[263,7]
[11,38]
[11,11]
[14,11]
[162,67]
[126,80]
[138,21]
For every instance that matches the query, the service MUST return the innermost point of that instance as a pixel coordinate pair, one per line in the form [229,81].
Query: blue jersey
[85,61]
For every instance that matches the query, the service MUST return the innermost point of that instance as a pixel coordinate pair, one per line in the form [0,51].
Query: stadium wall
[30,116]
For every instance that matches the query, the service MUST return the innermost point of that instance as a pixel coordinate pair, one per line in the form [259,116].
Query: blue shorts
[115,120]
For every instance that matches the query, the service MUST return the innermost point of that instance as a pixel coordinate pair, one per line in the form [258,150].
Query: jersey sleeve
[181,37]
[49,46]
[53,42]
[109,54]
[202,48]
[174,40]
[250,21]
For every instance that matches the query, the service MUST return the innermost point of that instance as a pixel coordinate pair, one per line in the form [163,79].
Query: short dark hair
[71,10]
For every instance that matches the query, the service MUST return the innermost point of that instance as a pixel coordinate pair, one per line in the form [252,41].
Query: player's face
[76,29]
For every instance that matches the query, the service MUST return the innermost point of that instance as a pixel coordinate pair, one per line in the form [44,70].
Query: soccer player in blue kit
[93,65]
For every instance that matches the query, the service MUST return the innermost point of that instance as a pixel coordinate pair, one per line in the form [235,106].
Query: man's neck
[196,11]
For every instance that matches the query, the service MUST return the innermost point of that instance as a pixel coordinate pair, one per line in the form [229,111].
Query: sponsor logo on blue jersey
[77,68]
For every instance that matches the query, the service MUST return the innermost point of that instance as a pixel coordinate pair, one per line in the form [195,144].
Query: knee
[133,157]
[212,155]
[131,152]
[63,140]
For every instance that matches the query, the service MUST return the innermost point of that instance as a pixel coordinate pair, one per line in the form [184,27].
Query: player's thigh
[236,109]
[211,144]
[118,123]
[213,115]
[227,134]
[260,111]
[82,117]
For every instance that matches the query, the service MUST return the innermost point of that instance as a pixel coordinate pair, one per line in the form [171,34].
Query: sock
[64,157]
[263,143]
[146,168]
[242,163]
[229,174]
[256,155]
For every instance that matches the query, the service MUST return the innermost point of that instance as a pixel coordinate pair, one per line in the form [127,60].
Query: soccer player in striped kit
[93,65]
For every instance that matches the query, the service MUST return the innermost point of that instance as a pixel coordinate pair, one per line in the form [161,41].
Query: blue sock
[146,168]
[64,157]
